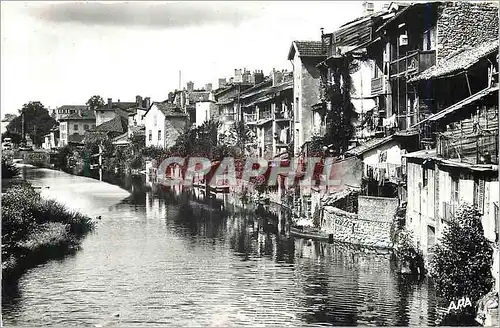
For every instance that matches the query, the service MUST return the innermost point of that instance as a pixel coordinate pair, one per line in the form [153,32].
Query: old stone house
[416,38]
[305,56]
[72,127]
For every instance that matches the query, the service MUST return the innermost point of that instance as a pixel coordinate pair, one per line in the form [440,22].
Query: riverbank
[35,230]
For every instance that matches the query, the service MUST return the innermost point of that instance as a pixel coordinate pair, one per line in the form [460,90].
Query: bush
[25,213]
[9,170]
[406,252]
[462,262]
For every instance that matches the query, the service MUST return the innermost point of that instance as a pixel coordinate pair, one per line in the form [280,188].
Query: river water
[157,258]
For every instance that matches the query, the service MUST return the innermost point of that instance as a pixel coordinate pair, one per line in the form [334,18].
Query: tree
[9,170]
[94,102]
[9,117]
[461,265]
[16,137]
[37,121]
[337,92]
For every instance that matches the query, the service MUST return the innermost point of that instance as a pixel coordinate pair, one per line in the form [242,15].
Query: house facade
[136,115]
[164,122]
[51,139]
[72,128]
[229,106]
[305,56]
[65,110]
[205,111]
[417,37]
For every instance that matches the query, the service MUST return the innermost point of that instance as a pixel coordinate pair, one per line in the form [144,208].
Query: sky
[62,53]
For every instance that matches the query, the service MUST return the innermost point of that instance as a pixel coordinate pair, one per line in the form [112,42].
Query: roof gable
[117,124]
[306,49]
[167,109]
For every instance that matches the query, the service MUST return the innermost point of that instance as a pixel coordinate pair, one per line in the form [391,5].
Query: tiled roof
[85,116]
[368,145]
[119,105]
[75,138]
[169,109]
[73,107]
[197,96]
[306,49]
[462,60]
[117,124]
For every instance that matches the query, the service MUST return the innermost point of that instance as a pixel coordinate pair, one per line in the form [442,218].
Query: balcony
[282,116]
[480,149]
[229,117]
[250,118]
[265,115]
[379,85]
[412,64]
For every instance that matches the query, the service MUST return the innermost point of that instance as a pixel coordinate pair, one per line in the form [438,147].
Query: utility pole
[22,127]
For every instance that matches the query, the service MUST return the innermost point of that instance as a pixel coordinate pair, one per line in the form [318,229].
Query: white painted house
[204,111]
[164,122]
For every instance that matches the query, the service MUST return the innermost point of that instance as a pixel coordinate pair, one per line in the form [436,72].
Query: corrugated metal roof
[462,60]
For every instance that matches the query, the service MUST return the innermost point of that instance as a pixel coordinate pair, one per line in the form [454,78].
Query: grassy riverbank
[35,229]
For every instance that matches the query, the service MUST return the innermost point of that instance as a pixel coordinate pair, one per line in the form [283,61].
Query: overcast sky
[62,53]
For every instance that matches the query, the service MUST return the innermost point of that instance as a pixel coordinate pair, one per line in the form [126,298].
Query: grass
[35,229]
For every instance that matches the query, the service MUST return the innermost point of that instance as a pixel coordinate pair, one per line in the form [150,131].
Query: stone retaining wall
[370,227]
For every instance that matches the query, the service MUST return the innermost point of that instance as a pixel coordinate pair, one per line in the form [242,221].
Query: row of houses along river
[177,257]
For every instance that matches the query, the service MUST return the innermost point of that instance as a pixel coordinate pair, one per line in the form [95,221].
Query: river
[158,259]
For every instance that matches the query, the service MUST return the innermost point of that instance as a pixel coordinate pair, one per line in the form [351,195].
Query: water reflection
[165,256]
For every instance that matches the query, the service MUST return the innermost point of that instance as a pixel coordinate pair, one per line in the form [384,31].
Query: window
[86,127]
[150,135]
[75,127]
[428,39]
[159,134]
[495,211]
[425,177]
[454,190]
[479,194]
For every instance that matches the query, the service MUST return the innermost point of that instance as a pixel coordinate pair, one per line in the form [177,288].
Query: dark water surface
[157,258]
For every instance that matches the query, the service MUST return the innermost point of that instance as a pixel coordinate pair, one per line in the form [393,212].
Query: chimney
[208,87]
[138,101]
[110,102]
[147,102]
[277,77]
[323,41]
[190,86]
[368,8]
[258,76]
[222,82]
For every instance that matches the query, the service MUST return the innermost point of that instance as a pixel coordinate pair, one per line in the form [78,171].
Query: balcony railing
[413,63]
[265,115]
[250,118]
[379,85]
[283,115]
[481,149]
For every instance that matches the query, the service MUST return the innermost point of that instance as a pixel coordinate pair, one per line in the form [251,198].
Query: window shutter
[480,198]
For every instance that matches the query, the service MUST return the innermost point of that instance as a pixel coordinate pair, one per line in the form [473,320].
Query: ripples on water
[158,259]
